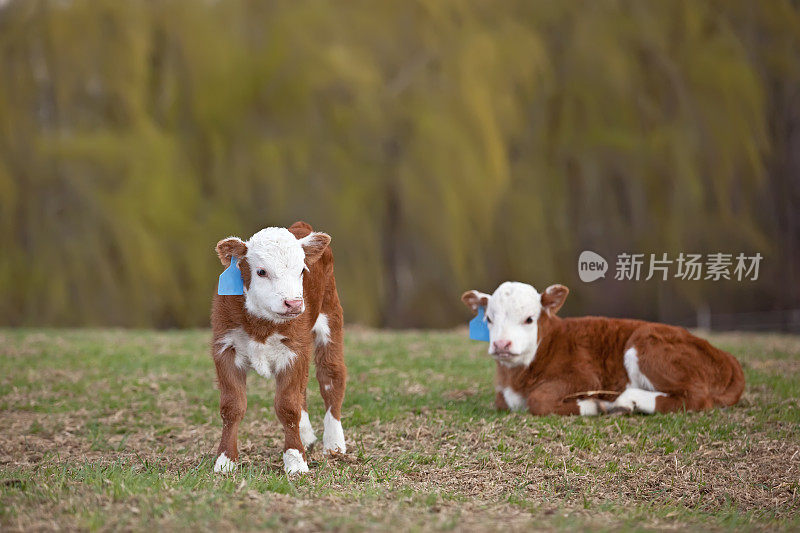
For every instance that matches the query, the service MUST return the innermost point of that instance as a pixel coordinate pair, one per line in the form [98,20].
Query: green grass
[115,429]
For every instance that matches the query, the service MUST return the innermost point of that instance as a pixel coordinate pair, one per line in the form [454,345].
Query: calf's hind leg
[307,435]
[659,384]
[332,375]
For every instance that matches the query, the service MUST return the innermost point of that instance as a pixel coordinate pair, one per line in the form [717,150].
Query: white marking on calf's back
[640,395]
[635,376]
[267,358]
[322,330]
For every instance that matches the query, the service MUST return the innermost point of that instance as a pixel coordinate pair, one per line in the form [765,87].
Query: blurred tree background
[444,144]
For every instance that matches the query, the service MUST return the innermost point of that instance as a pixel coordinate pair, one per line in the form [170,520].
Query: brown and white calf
[544,362]
[289,309]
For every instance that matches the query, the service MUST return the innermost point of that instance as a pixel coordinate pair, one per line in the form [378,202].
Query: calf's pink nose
[293,306]
[502,346]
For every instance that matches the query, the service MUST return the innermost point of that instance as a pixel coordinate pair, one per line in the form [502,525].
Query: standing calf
[544,362]
[289,308]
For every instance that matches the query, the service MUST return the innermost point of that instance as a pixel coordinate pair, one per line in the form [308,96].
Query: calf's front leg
[553,398]
[289,397]
[500,401]
[232,383]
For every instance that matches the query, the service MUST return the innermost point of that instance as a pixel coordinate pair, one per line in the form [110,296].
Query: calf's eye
[529,320]
[489,320]
[261,272]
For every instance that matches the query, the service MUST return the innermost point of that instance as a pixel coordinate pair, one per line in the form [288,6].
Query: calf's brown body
[586,354]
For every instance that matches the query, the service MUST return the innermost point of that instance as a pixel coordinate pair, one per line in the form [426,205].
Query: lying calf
[544,362]
[289,308]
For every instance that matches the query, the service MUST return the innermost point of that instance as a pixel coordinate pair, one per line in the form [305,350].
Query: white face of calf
[513,315]
[273,262]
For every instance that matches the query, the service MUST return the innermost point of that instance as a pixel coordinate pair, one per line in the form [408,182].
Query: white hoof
[224,465]
[333,437]
[307,436]
[293,462]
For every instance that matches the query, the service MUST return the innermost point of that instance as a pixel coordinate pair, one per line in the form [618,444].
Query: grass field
[117,429]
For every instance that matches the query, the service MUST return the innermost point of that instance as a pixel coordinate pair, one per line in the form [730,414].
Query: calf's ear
[230,247]
[553,298]
[475,299]
[314,244]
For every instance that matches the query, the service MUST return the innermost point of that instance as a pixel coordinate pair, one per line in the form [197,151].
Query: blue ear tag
[478,328]
[230,281]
